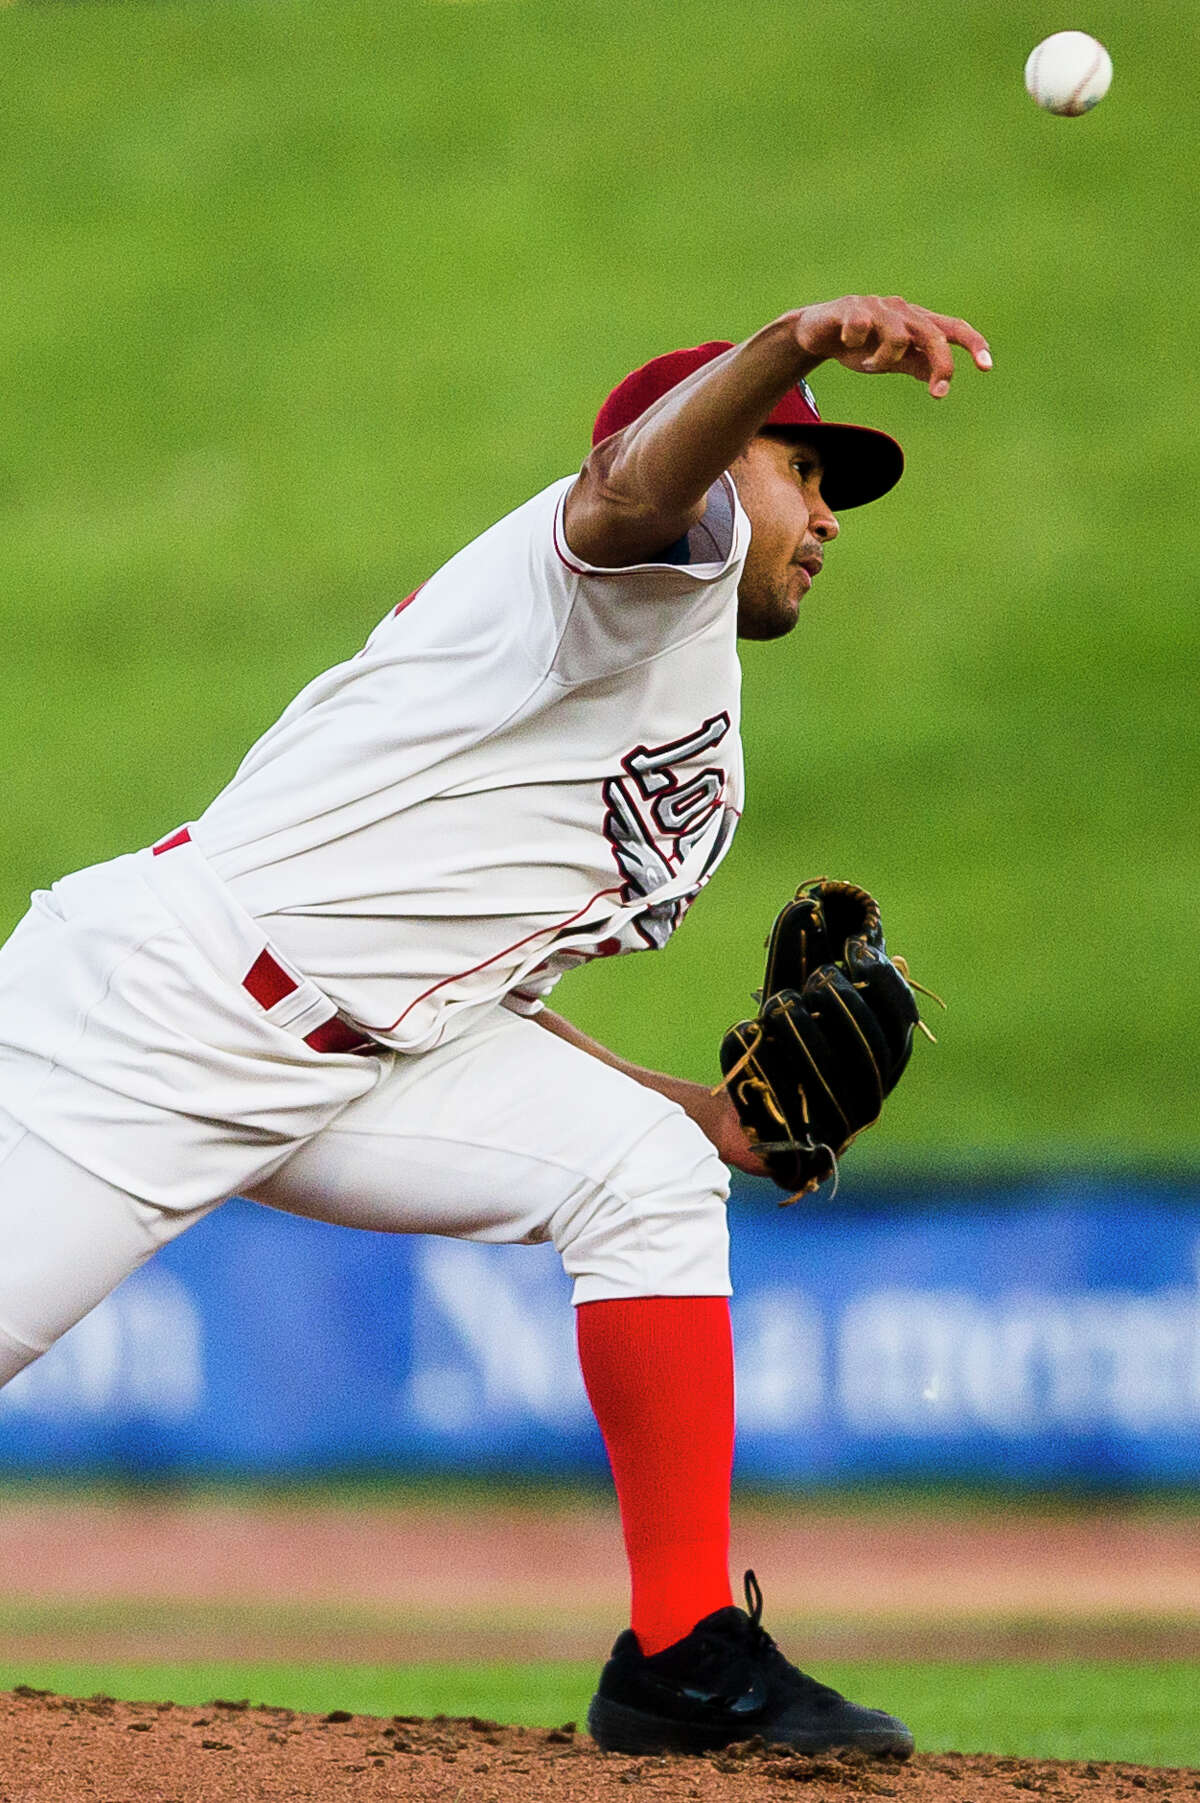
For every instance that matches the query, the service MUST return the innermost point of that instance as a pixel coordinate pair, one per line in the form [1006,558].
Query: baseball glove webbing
[831,1039]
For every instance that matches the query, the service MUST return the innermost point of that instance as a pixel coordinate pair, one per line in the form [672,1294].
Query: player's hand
[877,336]
[730,1138]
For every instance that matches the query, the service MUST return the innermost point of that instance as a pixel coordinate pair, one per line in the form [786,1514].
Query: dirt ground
[107,1752]
[182,1577]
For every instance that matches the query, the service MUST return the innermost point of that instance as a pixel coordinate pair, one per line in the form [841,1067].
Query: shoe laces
[758,1640]
[761,1647]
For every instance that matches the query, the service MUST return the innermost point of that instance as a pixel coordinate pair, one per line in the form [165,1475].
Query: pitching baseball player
[328,992]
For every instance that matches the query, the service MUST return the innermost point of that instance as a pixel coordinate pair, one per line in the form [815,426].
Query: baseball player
[328,992]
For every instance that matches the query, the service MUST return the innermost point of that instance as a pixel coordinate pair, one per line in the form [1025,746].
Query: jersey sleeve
[613,619]
[702,557]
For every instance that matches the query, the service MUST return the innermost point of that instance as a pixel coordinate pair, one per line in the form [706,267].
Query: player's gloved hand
[831,1039]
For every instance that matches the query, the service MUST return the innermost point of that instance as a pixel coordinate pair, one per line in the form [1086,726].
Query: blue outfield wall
[1047,1335]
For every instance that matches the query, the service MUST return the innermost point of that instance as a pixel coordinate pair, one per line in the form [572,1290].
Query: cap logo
[809,396]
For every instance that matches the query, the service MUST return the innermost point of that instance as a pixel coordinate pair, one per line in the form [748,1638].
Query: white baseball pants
[140,1086]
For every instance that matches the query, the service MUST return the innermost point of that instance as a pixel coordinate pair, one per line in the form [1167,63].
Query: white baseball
[1068,73]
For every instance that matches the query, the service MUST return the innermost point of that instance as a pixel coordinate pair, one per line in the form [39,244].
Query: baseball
[1068,73]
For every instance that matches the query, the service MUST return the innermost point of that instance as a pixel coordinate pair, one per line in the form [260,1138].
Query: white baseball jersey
[532,761]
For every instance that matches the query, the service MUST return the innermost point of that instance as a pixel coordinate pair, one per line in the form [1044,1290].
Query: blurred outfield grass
[297,295]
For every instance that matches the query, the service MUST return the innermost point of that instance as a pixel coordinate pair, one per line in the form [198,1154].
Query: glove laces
[754,1038]
[902,966]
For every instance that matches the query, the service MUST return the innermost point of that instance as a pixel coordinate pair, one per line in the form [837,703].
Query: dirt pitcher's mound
[55,1748]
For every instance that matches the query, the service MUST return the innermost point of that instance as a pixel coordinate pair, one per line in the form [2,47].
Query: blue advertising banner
[1049,1335]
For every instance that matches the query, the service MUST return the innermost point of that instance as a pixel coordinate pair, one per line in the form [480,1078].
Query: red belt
[268,982]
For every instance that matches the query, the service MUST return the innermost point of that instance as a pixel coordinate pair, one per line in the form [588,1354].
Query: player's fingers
[932,337]
[890,353]
[857,326]
[893,342]
[961,331]
[936,364]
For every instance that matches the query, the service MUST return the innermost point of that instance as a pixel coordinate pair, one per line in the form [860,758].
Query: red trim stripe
[180,837]
[576,569]
[401,605]
[538,933]
[267,981]
[337,1035]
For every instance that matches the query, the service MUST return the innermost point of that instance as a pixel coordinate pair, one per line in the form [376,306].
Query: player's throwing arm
[646,486]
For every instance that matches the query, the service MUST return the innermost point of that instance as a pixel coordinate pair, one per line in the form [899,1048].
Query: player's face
[779,485]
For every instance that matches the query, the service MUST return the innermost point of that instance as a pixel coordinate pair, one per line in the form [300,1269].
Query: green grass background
[1143,1713]
[297,295]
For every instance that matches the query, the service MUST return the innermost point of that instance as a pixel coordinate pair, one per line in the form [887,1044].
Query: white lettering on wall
[493,1335]
[935,1362]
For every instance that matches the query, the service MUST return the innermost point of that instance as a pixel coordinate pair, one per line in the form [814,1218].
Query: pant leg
[136,1054]
[66,1239]
[512,1134]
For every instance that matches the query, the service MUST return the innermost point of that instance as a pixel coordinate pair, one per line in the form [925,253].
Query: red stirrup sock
[659,1375]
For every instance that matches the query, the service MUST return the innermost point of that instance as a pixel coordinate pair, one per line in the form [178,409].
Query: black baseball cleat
[727,1681]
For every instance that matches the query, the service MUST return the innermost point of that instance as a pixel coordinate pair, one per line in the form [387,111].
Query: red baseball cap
[860,463]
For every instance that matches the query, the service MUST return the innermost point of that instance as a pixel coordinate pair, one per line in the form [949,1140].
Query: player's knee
[657,1226]
[14,1356]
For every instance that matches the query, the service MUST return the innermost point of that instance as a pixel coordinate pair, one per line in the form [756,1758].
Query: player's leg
[137,1089]
[67,1234]
[68,1238]
[512,1133]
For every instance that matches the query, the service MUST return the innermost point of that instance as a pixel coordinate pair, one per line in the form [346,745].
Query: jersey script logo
[653,820]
